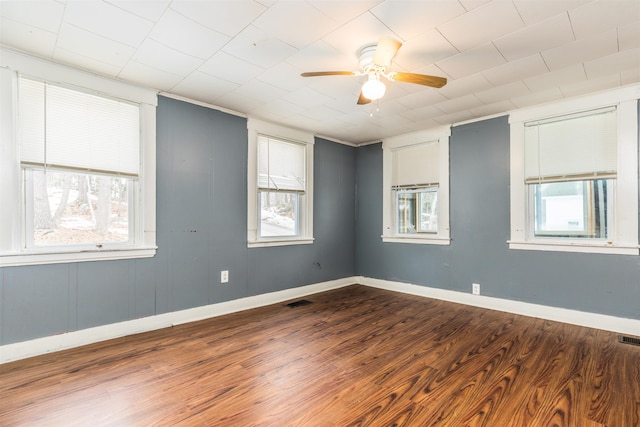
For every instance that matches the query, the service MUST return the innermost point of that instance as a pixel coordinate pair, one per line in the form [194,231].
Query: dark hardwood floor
[356,356]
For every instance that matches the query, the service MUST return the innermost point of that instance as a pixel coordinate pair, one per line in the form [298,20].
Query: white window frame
[623,233]
[257,127]
[13,251]
[389,222]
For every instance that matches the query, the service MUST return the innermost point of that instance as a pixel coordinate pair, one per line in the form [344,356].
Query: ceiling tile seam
[332,19]
[33,26]
[515,6]
[544,61]
[266,8]
[173,49]
[146,37]
[65,22]
[230,38]
[134,48]
[448,41]
[506,61]
[64,13]
[60,50]
[27,24]
[457,16]
[573,31]
[114,4]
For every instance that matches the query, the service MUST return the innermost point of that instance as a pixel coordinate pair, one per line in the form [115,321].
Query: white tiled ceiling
[247,55]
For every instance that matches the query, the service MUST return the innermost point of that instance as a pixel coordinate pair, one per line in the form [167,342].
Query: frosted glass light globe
[373,88]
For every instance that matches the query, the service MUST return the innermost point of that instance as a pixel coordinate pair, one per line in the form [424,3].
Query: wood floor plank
[356,356]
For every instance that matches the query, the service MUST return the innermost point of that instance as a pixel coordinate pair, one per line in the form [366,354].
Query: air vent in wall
[629,340]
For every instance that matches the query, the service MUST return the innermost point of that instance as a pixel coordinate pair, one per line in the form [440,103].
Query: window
[574,177]
[577,209]
[63,132]
[416,181]
[417,210]
[81,171]
[279,185]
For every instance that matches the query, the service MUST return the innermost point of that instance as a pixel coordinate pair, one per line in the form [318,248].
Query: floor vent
[628,340]
[298,303]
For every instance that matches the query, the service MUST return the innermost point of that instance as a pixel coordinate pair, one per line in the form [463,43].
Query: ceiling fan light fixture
[373,88]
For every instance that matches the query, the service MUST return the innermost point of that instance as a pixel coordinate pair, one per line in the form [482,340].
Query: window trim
[255,128]
[441,136]
[12,252]
[624,237]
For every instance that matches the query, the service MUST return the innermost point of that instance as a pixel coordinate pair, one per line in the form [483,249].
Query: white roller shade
[416,165]
[65,128]
[578,146]
[281,165]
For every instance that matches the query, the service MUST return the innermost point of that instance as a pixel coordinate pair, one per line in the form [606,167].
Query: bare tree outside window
[75,208]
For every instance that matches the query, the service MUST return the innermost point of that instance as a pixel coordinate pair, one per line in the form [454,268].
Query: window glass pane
[429,212]
[70,208]
[279,214]
[417,211]
[572,209]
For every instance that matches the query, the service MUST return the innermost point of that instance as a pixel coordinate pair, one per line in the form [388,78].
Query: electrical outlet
[224,276]
[475,288]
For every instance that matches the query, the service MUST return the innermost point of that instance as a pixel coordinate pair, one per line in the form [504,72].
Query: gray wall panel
[369,211]
[144,288]
[103,293]
[189,273]
[201,207]
[201,229]
[35,302]
[479,182]
[331,256]
[334,212]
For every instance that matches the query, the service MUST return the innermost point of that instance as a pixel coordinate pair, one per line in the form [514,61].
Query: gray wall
[201,229]
[479,182]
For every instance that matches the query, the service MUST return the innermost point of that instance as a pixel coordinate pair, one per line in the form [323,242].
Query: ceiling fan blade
[419,79]
[329,73]
[362,100]
[385,51]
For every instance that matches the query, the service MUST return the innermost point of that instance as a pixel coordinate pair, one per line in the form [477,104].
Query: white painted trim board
[574,317]
[39,346]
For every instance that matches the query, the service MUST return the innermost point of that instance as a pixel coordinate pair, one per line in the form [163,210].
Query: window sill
[9,260]
[417,240]
[283,242]
[595,248]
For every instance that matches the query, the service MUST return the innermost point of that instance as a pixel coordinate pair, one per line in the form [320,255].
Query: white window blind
[579,146]
[415,165]
[281,165]
[64,128]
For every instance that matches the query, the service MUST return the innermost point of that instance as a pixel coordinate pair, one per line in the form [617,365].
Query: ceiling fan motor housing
[365,56]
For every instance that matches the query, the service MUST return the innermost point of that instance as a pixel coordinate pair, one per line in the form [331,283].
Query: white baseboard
[22,350]
[573,317]
[35,347]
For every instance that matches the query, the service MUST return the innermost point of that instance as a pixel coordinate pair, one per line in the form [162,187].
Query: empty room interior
[319,213]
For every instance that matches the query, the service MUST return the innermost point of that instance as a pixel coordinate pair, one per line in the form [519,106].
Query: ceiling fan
[375,60]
